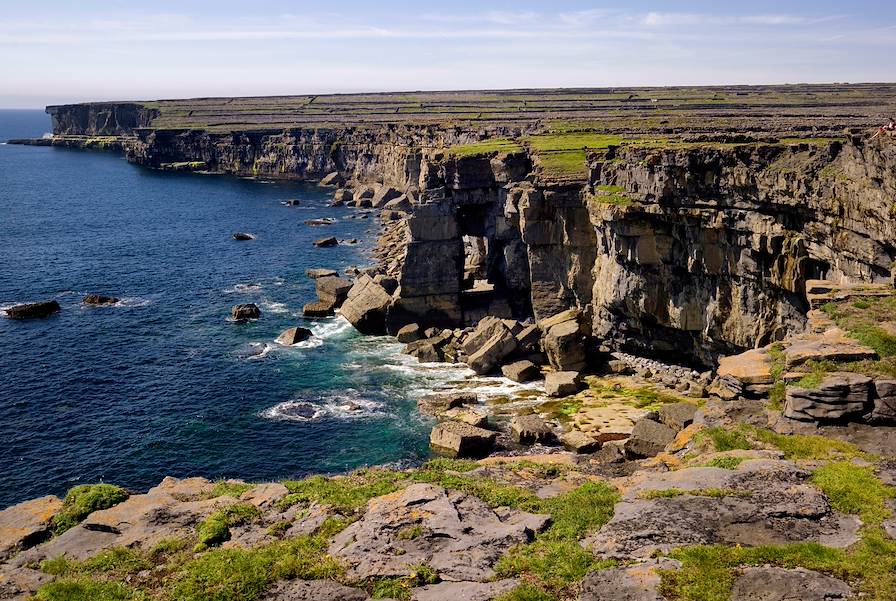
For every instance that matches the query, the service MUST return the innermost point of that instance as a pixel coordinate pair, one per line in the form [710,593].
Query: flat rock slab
[765,502]
[457,535]
[464,591]
[640,582]
[779,584]
[832,345]
[751,367]
[459,439]
[26,524]
[313,590]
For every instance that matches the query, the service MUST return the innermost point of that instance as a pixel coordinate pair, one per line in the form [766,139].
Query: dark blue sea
[164,383]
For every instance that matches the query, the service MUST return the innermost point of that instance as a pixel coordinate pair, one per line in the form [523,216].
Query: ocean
[164,383]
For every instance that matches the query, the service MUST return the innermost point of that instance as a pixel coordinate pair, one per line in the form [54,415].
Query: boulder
[639,582]
[563,341]
[332,179]
[333,290]
[245,311]
[528,339]
[320,221]
[521,371]
[579,442]
[292,202]
[562,383]
[326,242]
[388,283]
[751,367]
[767,502]
[341,196]
[884,400]
[768,583]
[317,308]
[26,524]
[32,310]
[242,236]
[294,336]
[493,351]
[840,395]
[401,203]
[383,195]
[457,439]
[467,415]
[409,333]
[464,591]
[321,273]
[434,404]
[531,429]
[99,299]
[678,416]
[366,306]
[458,536]
[648,438]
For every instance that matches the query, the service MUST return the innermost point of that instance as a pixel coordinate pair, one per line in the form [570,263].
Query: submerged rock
[326,242]
[245,311]
[99,299]
[243,236]
[33,310]
[319,272]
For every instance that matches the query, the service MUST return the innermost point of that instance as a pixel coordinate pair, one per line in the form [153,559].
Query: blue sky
[62,51]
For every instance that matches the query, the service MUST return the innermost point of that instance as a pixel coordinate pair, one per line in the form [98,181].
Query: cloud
[671,19]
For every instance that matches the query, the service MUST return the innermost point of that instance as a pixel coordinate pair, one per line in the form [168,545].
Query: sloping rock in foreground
[26,524]
[313,590]
[458,536]
[779,584]
[760,503]
[639,582]
[464,591]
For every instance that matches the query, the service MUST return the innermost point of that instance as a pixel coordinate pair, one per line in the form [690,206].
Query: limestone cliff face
[694,249]
[100,118]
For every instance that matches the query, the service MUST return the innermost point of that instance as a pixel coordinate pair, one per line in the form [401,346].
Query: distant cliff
[100,118]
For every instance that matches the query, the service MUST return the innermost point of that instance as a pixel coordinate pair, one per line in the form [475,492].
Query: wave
[274,307]
[255,351]
[243,288]
[348,404]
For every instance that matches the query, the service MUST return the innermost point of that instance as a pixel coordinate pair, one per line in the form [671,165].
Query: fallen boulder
[521,371]
[562,383]
[677,416]
[493,351]
[409,333]
[579,442]
[884,401]
[332,179]
[366,306]
[320,273]
[383,195]
[245,311]
[317,308]
[531,429]
[648,438]
[32,310]
[457,439]
[434,404]
[294,336]
[563,341]
[333,290]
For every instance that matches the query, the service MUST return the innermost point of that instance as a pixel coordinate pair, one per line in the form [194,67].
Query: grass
[215,529]
[556,560]
[400,588]
[667,493]
[84,499]
[803,446]
[726,440]
[244,574]
[226,488]
[117,562]
[856,490]
[484,148]
[347,494]
[526,592]
[725,463]
[861,318]
[85,589]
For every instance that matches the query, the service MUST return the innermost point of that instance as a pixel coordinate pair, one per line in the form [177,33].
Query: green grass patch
[856,490]
[485,148]
[668,493]
[84,499]
[86,589]
[800,446]
[230,489]
[346,494]
[215,529]
[526,592]
[861,318]
[726,463]
[244,574]
[610,189]
[726,440]
[400,588]
[572,141]
[565,164]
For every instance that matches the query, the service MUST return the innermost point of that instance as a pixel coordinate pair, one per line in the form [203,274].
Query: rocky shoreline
[705,327]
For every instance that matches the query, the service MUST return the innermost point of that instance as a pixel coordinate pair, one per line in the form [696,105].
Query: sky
[57,51]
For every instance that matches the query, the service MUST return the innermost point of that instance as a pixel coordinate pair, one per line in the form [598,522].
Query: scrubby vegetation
[84,499]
